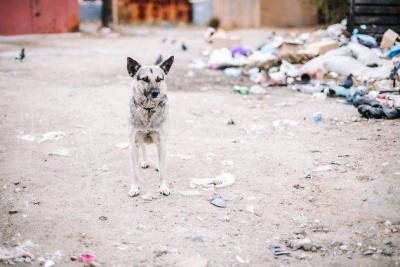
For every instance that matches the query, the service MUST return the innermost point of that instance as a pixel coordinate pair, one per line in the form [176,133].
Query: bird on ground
[184,47]
[21,55]
[348,83]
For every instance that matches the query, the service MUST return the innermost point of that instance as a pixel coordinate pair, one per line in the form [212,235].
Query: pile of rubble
[329,62]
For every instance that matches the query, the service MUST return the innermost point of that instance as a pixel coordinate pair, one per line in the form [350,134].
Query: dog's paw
[164,189]
[144,165]
[135,190]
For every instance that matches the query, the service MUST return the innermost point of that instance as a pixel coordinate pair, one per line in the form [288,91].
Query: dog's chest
[148,120]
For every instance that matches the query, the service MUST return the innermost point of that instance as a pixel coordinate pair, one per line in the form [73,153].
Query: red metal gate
[38,16]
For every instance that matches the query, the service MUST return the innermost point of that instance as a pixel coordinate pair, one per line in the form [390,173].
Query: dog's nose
[154,94]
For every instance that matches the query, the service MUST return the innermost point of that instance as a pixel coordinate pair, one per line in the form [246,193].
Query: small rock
[388,223]
[104,168]
[122,145]
[49,263]
[12,212]
[227,162]
[231,122]
[343,248]
[389,243]
[304,244]
[368,252]
[17,190]
[218,202]
[364,178]
[62,152]
[336,244]
[73,258]
[387,251]
[298,186]
[147,197]
[103,218]
[311,199]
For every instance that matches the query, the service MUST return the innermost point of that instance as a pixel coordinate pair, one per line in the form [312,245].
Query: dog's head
[149,81]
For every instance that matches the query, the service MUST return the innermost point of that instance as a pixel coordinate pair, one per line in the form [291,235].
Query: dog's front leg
[162,154]
[134,152]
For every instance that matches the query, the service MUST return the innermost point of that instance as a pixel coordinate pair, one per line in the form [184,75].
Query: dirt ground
[78,84]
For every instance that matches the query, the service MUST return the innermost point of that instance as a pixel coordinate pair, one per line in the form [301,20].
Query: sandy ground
[78,84]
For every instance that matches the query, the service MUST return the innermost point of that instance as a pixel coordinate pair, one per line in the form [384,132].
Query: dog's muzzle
[153,93]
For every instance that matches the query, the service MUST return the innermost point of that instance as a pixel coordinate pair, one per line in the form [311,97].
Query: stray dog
[148,118]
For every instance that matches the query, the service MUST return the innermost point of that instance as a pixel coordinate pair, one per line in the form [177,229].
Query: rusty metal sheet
[38,16]
[15,17]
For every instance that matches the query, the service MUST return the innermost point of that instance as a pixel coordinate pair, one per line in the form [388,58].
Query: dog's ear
[166,65]
[132,66]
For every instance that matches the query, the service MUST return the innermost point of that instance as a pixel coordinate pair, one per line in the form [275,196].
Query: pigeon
[159,59]
[21,55]
[348,83]
[184,47]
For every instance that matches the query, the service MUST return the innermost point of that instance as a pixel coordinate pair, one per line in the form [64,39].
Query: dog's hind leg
[162,154]
[134,152]
[143,162]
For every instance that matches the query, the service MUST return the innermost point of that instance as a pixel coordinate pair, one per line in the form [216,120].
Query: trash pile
[328,62]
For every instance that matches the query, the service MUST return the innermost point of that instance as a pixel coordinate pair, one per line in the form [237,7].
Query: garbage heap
[328,63]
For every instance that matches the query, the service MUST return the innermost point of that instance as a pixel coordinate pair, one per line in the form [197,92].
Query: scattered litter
[317,117]
[218,201]
[19,254]
[122,145]
[87,257]
[233,72]
[63,152]
[278,251]
[223,180]
[52,136]
[323,168]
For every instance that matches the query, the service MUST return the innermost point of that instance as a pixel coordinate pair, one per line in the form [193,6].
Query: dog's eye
[159,79]
[145,79]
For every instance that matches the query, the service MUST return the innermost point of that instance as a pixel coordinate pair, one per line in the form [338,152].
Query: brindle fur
[148,118]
